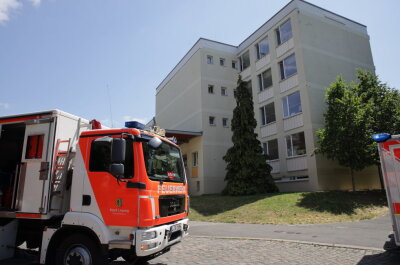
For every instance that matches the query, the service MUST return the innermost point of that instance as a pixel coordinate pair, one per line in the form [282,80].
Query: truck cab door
[35,167]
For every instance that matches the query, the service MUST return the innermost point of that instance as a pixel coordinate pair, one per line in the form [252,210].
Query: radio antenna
[109,102]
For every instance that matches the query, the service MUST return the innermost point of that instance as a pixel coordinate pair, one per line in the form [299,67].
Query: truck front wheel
[78,249]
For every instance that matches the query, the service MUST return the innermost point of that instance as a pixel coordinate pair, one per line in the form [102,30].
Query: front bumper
[163,239]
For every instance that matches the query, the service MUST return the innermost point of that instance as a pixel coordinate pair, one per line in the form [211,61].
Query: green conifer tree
[247,169]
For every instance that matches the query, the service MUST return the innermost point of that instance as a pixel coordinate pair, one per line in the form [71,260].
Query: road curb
[296,242]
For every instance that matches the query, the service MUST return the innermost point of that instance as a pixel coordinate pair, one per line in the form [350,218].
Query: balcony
[265,94]
[264,61]
[293,122]
[284,47]
[296,163]
[289,83]
[267,130]
[246,73]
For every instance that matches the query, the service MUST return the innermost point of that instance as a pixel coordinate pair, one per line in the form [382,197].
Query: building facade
[288,63]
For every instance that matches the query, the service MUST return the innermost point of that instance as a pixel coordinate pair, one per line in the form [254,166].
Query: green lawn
[289,208]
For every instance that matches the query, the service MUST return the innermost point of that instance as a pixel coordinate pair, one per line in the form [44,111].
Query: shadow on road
[342,202]
[391,257]
[214,204]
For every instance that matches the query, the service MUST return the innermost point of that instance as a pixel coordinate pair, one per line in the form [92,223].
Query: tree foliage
[247,169]
[355,112]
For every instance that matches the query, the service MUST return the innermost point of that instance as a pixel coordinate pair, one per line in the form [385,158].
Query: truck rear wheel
[79,250]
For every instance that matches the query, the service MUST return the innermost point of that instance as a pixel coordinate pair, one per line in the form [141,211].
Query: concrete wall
[177,105]
[216,139]
[330,48]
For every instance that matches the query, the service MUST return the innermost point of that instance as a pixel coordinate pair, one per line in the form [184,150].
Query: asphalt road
[214,243]
[368,233]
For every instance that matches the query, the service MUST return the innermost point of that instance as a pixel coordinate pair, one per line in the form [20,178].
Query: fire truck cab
[86,195]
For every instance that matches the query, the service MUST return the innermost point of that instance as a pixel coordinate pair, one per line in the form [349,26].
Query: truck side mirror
[117,169]
[155,142]
[118,148]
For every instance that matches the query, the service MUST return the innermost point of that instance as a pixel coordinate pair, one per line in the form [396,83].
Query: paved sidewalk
[369,233]
[215,251]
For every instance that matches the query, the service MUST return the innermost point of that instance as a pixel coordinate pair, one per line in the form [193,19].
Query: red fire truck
[389,152]
[86,195]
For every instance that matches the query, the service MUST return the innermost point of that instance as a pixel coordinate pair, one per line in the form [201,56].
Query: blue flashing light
[381,137]
[134,125]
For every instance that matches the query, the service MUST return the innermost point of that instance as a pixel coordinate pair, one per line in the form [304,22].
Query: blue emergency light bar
[134,125]
[381,137]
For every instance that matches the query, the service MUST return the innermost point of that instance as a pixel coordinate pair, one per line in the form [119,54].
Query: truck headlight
[149,235]
[149,246]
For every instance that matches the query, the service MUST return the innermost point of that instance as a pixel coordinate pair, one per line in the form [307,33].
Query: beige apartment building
[288,63]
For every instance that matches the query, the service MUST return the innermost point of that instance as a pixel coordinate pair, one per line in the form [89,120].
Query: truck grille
[171,205]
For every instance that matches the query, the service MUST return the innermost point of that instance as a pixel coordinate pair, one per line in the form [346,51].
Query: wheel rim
[78,255]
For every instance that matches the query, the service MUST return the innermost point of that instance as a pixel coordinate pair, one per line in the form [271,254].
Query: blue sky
[83,56]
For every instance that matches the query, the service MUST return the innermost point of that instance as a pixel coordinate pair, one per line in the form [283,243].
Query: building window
[209,59]
[270,148]
[222,61]
[195,159]
[234,64]
[267,113]
[265,80]
[284,32]
[210,89]
[225,122]
[211,120]
[296,144]
[288,67]
[224,92]
[244,60]
[291,104]
[262,48]
[34,147]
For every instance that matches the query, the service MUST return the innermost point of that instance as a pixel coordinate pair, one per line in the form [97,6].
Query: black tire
[79,249]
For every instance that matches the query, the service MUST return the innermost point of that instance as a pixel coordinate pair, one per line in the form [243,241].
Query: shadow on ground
[391,257]
[342,202]
[214,204]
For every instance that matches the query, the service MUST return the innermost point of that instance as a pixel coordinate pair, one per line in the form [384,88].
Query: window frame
[261,80]
[286,99]
[263,113]
[267,147]
[224,91]
[278,33]
[225,122]
[210,59]
[234,64]
[241,61]
[195,159]
[282,67]
[211,121]
[257,47]
[222,61]
[36,142]
[292,155]
[210,89]
[129,144]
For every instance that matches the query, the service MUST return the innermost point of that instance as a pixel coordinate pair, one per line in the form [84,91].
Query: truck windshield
[164,163]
